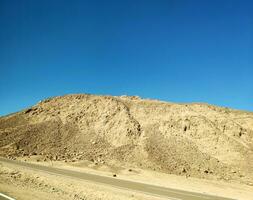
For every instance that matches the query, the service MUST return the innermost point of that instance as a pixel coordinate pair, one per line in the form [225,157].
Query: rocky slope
[196,140]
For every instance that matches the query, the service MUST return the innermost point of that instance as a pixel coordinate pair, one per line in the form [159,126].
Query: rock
[28,110]
[183,170]
[14,173]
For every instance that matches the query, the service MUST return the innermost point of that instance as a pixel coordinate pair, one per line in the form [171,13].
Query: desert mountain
[198,140]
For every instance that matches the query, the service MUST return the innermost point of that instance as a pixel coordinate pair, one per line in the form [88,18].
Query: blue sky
[174,50]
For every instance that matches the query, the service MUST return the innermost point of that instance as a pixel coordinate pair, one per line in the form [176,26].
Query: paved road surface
[170,193]
[5,197]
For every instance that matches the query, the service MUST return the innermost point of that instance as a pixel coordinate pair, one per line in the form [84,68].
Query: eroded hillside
[196,140]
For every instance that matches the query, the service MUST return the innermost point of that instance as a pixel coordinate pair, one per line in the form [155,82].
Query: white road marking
[5,196]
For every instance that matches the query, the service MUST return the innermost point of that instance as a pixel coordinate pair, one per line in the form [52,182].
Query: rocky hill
[198,140]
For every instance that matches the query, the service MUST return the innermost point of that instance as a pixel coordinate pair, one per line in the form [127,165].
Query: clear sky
[173,50]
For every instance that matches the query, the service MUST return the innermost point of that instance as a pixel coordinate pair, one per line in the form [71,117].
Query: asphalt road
[149,189]
[5,197]
[2,198]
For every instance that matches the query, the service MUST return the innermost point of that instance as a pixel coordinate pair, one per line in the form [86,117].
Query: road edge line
[7,197]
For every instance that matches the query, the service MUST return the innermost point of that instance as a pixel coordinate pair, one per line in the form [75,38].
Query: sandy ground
[44,185]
